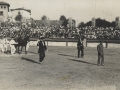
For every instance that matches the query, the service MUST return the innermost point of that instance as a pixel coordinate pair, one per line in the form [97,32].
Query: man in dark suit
[41,49]
[80,47]
[100,50]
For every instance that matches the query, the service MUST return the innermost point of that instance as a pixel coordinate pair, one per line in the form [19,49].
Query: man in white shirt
[12,46]
[28,44]
[5,43]
[1,45]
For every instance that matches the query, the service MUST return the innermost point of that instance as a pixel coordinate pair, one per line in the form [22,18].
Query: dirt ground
[60,70]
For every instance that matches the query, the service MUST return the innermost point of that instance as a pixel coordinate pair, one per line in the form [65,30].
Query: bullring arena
[60,70]
[63,24]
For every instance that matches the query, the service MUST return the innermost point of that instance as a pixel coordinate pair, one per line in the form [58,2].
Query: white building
[25,13]
[4,9]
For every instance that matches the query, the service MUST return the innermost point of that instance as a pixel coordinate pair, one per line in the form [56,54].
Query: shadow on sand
[30,52]
[66,55]
[82,61]
[30,60]
[7,52]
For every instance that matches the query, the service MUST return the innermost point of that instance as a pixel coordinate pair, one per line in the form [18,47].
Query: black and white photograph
[59,45]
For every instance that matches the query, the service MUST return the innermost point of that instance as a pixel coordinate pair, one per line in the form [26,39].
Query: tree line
[98,23]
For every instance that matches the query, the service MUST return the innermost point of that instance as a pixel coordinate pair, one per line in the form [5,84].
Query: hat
[41,37]
[101,41]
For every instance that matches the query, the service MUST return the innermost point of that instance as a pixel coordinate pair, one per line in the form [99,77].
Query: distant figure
[17,40]
[100,50]
[41,49]
[28,42]
[5,43]
[12,46]
[2,45]
[80,48]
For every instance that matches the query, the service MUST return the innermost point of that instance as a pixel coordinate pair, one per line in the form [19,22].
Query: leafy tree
[44,17]
[18,17]
[81,24]
[100,23]
[31,19]
[63,20]
[45,21]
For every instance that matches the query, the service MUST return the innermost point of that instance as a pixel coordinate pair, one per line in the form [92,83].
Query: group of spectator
[88,32]
[101,33]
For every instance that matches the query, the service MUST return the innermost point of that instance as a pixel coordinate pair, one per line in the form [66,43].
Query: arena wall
[94,44]
[74,44]
[49,43]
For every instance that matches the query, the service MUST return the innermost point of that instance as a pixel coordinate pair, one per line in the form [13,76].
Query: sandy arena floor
[60,70]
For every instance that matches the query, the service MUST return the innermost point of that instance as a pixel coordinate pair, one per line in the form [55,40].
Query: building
[117,23]
[4,9]
[54,23]
[93,22]
[24,13]
[5,13]
[71,23]
[47,23]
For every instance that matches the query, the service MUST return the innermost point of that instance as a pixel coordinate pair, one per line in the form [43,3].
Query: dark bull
[22,42]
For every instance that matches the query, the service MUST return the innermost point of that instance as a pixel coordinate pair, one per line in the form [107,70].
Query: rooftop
[21,9]
[4,3]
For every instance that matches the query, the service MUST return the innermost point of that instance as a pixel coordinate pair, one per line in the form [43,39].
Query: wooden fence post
[106,45]
[47,43]
[86,43]
[66,44]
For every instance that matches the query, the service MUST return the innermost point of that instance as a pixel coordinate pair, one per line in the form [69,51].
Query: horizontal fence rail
[74,40]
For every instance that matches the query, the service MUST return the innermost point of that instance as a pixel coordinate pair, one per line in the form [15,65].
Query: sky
[80,10]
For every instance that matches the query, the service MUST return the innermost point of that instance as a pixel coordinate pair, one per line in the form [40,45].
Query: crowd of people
[88,32]
[108,33]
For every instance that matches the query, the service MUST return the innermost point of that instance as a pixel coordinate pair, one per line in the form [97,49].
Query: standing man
[5,43]
[12,46]
[80,47]
[2,45]
[100,50]
[28,40]
[17,40]
[41,49]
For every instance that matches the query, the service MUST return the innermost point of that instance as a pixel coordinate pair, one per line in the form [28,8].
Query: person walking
[41,49]
[80,48]
[100,50]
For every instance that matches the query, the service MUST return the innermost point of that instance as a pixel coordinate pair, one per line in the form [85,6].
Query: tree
[81,24]
[45,21]
[18,17]
[44,17]
[100,23]
[63,20]
[31,19]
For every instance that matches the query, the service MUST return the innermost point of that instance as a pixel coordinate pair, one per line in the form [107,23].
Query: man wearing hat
[80,47]
[100,50]
[41,49]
